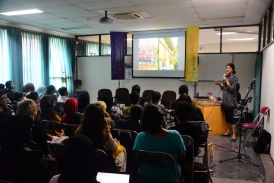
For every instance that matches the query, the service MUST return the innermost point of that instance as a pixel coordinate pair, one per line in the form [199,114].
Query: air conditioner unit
[128,16]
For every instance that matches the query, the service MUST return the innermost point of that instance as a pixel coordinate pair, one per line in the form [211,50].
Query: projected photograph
[158,53]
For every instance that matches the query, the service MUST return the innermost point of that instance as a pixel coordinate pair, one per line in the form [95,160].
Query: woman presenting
[229,99]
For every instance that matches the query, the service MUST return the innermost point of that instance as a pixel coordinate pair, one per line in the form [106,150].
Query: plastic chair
[256,124]
[120,95]
[69,129]
[101,91]
[188,141]
[167,98]
[146,96]
[105,161]
[156,159]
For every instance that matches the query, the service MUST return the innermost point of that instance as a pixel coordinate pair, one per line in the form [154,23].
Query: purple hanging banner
[117,55]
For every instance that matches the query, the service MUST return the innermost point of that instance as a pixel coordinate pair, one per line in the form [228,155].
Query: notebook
[112,178]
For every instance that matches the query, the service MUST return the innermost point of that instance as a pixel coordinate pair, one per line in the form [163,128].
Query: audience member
[134,98]
[197,114]
[51,91]
[77,162]
[83,101]
[47,109]
[183,89]
[41,91]
[34,96]
[70,108]
[2,86]
[63,94]
[19,163]
[108,119]
[3,104]
[183,112]
[156,138]
[29,87]
[134,122]
[94,126]
[39,136]
[135,88]
[9,90]
[18,97]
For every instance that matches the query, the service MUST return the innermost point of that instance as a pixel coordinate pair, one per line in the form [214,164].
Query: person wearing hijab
[70,108]
[47,109]
[83,101]
[41,90]
[77,162]
[110,122]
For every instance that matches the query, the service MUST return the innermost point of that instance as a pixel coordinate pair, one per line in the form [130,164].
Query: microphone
[225,75]
[251,85]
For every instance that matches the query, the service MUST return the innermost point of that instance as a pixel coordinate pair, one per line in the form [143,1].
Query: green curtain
[15,47]
[87,48]
[257,85]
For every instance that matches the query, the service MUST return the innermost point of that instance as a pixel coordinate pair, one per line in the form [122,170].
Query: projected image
[158,53]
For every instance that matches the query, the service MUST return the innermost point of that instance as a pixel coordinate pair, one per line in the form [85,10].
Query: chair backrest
[264,110]
[167,98]
[101,91]
[105,161]
[204,125]
[69,129]
[121,94]
[52,127]
[158,159]
[146,96]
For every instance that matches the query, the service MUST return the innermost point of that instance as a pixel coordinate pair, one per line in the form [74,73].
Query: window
[32,59]
[209,40]
[5,74]
[105,45]
[129,44]
[88,46]
[240,39]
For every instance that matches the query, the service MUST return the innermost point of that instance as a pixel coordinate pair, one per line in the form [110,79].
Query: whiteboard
[213,66]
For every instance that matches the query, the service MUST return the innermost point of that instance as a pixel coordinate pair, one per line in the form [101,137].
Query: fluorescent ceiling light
[22,12]
[226,33]
[242,39]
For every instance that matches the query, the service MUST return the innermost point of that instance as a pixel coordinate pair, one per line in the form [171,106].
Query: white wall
[267,90]
[229,47]
[95,74]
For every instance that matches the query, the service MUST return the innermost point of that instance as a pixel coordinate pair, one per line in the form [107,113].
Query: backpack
[262,145]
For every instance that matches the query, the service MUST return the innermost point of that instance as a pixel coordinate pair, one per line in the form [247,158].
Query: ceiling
[81,17]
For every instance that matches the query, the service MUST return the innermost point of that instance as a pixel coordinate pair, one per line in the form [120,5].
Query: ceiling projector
[106,20]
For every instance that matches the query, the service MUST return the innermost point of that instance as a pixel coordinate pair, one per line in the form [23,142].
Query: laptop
[112,177]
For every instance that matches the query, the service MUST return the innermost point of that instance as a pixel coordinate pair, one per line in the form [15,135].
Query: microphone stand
[240,155]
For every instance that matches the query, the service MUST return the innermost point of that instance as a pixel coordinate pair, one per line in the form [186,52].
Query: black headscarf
[77,162]
[83,101]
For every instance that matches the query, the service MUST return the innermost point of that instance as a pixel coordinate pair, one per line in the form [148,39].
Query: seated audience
[135,88]
[197,114]
[134,98]
[47,109]
[9,90]
[34,96]
[39,136]
[134,122]
[41,91]
[83,101]
[183,112]
[2,86]
[63,94]
[183,89]
[70,108]
[156,138]
[77,162]
[3,105]
[18,162]
[94,126]
[110,122]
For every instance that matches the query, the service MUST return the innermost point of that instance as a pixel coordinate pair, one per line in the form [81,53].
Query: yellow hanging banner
[192,38]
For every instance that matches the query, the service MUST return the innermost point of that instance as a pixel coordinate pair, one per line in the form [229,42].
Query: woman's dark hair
[17,96]
[134,97]
[62,90]
[155,96]
[47,102]
[151,120]
[50,88]
[32,95]
[136,112]
[29,87]
[136,88]
[183,89]
[184,110]
[238,87]
[8,84]
[94,125]
[185,97]
[232,67]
